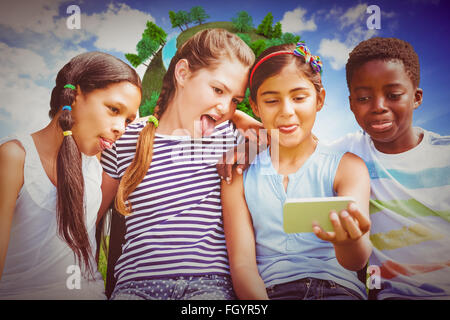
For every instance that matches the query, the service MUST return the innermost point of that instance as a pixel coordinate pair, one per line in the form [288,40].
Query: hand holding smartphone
[300,215]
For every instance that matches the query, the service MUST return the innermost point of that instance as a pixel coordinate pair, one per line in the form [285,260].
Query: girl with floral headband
[286,92]
[50,182]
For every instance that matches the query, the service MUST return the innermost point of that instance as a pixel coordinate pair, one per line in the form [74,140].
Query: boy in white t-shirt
[409,169]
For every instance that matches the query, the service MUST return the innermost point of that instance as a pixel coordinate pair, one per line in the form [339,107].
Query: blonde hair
[206,49]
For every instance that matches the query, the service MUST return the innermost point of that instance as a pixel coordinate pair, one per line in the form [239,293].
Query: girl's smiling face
[288,102]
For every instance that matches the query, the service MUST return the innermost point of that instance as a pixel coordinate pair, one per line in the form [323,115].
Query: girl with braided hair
[165,172]
[50,182]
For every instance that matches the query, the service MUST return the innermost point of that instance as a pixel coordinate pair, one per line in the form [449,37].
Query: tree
[289,38]
[243,22]
[156,33]
[183,17]
[152,39]
[245,37]
[265,28]
[273,42]
[174,19]
[146,48]
[258,46]
[198,14]
[244,106]
[149,105]
[133,59]
[277,33]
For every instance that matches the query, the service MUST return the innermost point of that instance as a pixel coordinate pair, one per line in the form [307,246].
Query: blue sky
[35,43]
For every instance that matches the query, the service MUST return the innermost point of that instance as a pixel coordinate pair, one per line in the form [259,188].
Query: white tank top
[39,264]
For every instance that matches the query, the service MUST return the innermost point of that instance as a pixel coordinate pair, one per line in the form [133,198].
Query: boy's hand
[350,225]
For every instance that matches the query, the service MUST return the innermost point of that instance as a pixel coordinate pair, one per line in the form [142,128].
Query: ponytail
[84,73]
[70,188]
[203,50]
[138,168]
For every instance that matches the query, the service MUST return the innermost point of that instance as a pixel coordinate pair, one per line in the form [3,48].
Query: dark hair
[206,49]
[384,49]
[274,65]
[89,71]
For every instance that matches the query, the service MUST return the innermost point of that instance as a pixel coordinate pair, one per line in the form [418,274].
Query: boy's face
[383,98]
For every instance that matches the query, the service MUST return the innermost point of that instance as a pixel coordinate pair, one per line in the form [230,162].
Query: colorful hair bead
[70,86]
[67,133]
[67,108]
[154,120]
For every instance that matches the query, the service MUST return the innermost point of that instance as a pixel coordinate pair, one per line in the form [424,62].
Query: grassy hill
[227,25]
[152,81]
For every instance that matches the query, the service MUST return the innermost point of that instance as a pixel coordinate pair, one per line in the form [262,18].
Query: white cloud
[24,103]
[21,62]
[119,28]
[353,15]
[352,23]
[23,15]
[336,51]
[28,73]
[295,21]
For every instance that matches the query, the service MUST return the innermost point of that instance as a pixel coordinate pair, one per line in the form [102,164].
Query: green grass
[102,260]
[152,80]
[227,25]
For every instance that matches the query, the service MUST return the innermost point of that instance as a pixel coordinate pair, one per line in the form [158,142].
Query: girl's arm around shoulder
[351,227]
[240,241]
[244,122]
[12,159]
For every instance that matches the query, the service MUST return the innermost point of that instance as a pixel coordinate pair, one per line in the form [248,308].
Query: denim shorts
[207,287]
[311,289]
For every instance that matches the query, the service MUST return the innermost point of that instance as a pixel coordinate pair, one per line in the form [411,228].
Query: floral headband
[300,50]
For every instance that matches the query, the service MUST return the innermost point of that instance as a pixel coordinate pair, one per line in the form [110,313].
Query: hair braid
[205,49]
[88,72]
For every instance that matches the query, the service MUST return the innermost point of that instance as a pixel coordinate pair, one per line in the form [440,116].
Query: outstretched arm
[12,158]
[240,240]
[351,227]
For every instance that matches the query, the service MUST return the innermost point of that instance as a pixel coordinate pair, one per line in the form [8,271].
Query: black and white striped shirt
[176,227]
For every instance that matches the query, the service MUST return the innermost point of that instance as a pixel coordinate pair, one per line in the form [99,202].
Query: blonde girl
[169,188]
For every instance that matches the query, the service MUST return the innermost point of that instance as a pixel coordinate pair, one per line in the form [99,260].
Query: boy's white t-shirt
[410,214]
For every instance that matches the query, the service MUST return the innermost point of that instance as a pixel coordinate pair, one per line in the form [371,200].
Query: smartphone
[299,215]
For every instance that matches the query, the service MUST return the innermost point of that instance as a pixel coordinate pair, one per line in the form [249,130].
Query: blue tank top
[283,257]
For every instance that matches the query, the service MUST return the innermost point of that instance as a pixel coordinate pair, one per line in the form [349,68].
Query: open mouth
[105,143]
[208,123]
